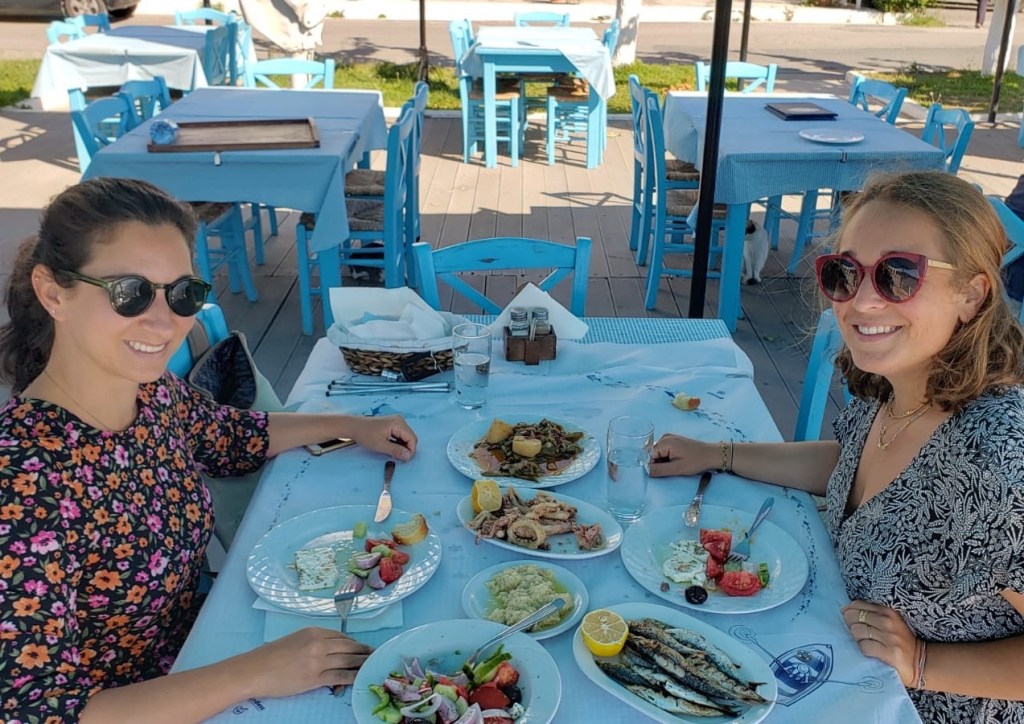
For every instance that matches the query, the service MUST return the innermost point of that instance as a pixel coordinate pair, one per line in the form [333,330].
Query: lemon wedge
[604,632]
[486,495]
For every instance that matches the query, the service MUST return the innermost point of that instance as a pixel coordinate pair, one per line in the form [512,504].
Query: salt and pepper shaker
[519,323]
[540,320]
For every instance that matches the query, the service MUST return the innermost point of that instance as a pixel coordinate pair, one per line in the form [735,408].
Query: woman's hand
[880,632]
[390,435]
[678,455]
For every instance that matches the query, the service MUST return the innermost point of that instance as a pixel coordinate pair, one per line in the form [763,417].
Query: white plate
[438,642]
[753,667]
[831,135]
[461,445]
[274,581]
[560,546]
[646,547]
[477,600]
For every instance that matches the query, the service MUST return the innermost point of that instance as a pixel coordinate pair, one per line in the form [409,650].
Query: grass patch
[957,88]
[16,79]
[921,19]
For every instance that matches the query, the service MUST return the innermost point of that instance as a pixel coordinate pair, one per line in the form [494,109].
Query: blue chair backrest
[147,97]
[59,30]
[502,253]
[1014,227]
[818,379]
[638,107]
[100,21]
[957,122]
[211,317]
[195,17]
[758,76]
[868,90]
[611,36]
[99,124]
[655,139]
[541,17]
[319,72]
[460,33]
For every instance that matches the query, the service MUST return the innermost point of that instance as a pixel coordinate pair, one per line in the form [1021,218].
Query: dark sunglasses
[896,277]
[130,296]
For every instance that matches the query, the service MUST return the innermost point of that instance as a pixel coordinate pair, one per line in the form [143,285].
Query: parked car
[68,8]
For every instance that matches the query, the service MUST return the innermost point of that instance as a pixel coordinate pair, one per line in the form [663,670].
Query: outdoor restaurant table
[762,155]
[349,123]
[188,57]
[623,366]
[541,50]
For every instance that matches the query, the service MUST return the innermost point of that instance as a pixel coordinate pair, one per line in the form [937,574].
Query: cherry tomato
[713,569]
[739,583]
[489,696]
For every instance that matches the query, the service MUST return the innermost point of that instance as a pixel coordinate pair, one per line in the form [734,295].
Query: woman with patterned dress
[924,483]
[104,517]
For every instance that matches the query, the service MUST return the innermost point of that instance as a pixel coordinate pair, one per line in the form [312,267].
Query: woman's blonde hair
[987,351]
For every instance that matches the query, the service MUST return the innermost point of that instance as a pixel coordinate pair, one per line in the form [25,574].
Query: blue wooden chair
[319,72]
[99,124]
[948,129]
[504,253]
[211,317]
[147,97]
[224,222]
[541,17]
[60,31]
[100,21]
[202,15]
[1014,227]
[818,378]
[509,104]
[243,32]
[879,97]
[756,77]
[381,222]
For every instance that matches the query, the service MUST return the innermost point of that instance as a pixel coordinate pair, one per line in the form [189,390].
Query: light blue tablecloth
[349,123]
[589,383]
[126,53]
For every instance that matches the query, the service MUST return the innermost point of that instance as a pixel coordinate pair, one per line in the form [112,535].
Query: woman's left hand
[389,434]
[881,632]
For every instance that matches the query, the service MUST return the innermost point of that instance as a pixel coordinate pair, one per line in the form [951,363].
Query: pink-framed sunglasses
[896,277]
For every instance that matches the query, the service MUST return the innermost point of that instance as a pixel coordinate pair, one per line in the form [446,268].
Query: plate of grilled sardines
[675,668]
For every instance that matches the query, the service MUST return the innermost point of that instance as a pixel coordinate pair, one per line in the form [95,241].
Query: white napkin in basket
[413,323]
[565,324]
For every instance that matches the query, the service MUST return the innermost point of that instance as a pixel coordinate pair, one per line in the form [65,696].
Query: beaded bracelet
[725,459]
[732,454]
[922,659]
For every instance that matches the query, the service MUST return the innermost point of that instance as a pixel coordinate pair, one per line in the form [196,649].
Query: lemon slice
[486,495]
[604,632]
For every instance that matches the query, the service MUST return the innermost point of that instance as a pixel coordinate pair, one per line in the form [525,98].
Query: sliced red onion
[375,580]
[472,715]
[404,692]
[357,582]
[413,669]
[460,679]
[447,710]
[498,713]
[366,561]
[414,711]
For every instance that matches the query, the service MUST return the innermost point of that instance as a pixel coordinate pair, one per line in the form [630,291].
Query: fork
[539,615]
[344,597]
[741,551]
[692,514]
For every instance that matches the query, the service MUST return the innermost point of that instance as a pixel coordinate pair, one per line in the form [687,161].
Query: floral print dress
[943,539]
[102,537]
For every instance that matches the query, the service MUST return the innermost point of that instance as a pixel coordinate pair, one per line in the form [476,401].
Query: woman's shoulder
[999,409]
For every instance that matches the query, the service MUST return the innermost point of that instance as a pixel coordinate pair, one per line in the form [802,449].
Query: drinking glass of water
[471,346]
[630,442]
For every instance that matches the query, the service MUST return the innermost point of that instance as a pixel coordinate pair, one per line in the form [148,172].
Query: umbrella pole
[709,163]
[424,65]
[1004,45]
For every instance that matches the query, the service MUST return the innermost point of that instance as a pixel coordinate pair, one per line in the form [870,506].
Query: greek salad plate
[648,544]
[831,135]
[271,571]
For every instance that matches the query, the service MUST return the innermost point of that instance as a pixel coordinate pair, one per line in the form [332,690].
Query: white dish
[831,135]
[461,445]
[560,546]
[271,577]
[477,600]
[438,642]
[646,546]
[753,667]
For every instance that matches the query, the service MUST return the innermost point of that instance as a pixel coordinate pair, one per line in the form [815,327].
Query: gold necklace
[86,410]
[911,417]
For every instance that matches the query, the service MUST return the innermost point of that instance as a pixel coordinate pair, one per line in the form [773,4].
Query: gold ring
[870,635]
[862,617]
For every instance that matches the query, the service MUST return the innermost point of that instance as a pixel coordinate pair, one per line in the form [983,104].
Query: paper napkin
[565,324]
[280,623]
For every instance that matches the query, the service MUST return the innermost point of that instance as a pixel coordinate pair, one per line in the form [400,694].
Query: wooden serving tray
[254,135]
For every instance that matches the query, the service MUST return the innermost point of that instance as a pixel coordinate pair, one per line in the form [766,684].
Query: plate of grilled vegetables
[675,668]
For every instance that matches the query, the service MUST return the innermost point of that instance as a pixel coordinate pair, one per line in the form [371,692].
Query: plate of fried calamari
[528,450]
[542,524]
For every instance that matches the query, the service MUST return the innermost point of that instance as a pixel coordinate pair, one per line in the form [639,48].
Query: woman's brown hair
[76,220]
[984,353]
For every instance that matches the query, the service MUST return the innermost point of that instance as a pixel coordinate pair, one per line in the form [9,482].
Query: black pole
[745,32]
[424,57]
[1004,42]
[709,164]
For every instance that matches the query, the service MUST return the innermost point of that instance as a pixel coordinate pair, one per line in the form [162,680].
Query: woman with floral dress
[924,484]
[104,517]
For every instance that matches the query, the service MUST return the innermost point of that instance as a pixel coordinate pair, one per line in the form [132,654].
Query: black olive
[512,692]
[696,595]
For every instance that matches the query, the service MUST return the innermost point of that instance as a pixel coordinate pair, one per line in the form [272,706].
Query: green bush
[900,6]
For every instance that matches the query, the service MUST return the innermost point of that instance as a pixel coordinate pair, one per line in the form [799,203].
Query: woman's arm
[803,465]
[305,660]
[390,435]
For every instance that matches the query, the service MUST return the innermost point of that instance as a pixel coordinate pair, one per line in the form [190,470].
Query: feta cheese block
[316,568]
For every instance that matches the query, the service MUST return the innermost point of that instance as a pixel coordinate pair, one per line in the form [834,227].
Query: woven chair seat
[507,88]
[680,202]
[572,95]
[680,170]
[365,215]
[364,182]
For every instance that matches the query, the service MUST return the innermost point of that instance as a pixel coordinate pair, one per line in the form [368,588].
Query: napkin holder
[530,351]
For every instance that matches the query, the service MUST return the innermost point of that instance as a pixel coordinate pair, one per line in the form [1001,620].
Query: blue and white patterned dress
[941,541]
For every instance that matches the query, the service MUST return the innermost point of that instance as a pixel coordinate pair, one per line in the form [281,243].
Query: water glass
[630,443]
[471,347]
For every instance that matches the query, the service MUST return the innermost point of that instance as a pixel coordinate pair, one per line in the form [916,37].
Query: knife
[384,501]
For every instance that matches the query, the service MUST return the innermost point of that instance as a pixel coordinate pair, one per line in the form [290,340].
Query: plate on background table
[274,580]
[752,666]
[561,546]
[831,135]
[478,601]
[646,547]
[443,646]
[460,449]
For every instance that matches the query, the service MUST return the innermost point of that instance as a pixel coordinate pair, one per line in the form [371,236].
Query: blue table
[541,50]
[349,124]
[762,155]
[590,382]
